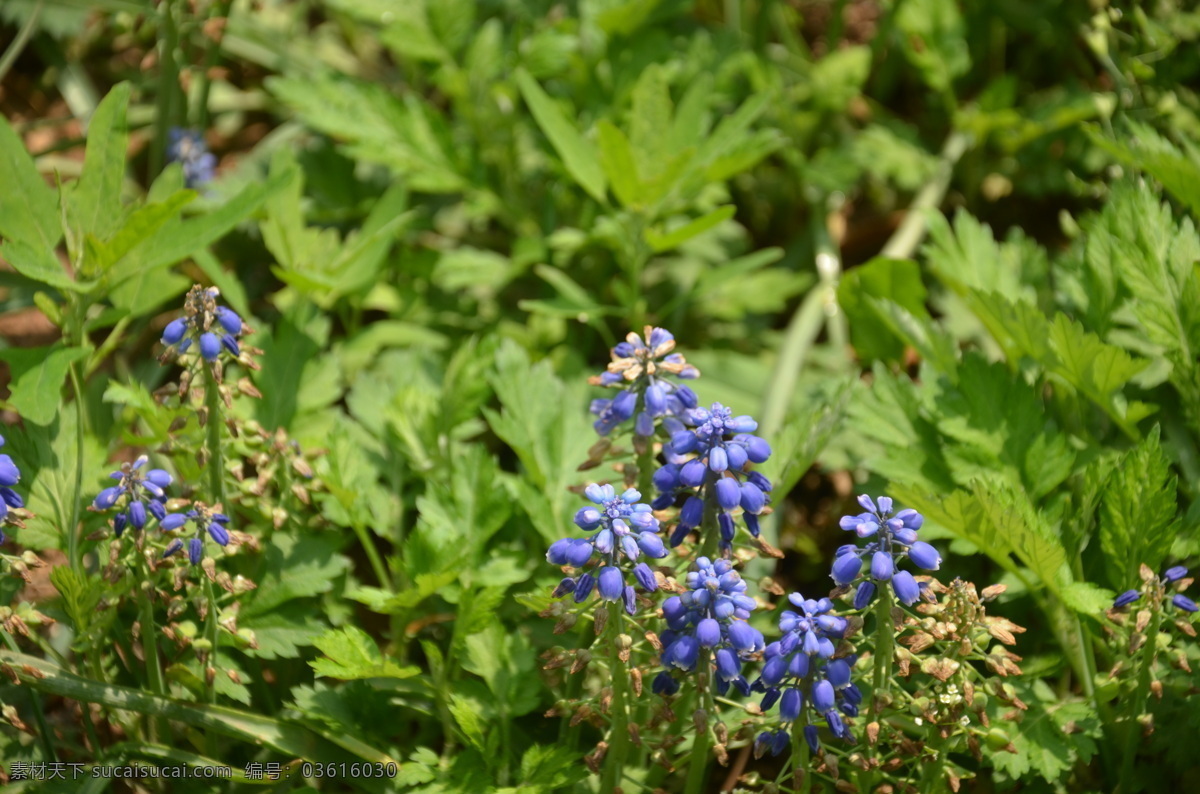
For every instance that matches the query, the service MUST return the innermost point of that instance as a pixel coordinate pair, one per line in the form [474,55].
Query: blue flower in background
[212,327]
[713,455]
[1170,576]
[712,615]
[643,369]
[137,495]
[188,148]
[623,530]
[800,673]
[205,521]
[893,537]
[10,475]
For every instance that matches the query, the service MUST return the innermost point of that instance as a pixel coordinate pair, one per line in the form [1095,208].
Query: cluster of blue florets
[205,522]
[894,537]
[187,147]
[800,673]
[203,319]
[643,369]
[623,530]
[10,475]
[713,455]
[1170,576]
[137,495]
[712,615]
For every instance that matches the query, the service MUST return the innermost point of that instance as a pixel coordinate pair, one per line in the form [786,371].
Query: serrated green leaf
[1138,517]
[351,653]
[466,713]
[892,279]
[577,155]
[934,40]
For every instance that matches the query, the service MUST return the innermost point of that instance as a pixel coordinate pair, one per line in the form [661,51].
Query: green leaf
[466,713]
[96,197]
[934,40]
[142,224]
[37,379]
[40,264]
[1052,737]
[351,653]
[681,234]
[292,740]
[577,155]
[28,206]
[1145,149]
[619,165]
[1138,517]
[296,567]
[1097,370]
[80,595]
[893,279]
[649,118]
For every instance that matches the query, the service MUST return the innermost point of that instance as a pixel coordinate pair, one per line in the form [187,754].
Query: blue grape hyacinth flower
[802,674]
[10,475]
[893,538]
[211,327]
[713,614]
[188,148]
[714,455]
[205,521]
[645,369]
[1170,576]
[138,495]
[623,529]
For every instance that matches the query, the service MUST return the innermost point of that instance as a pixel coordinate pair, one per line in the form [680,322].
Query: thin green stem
[373,556]
[645,464]
[911,232]
[1133,735]
[39,714]
[158,729]
[618,734]
[73,556]
[698,762]
[212,53]
[18,44]
[168,88]
[883,650]
[800,754]
[216,462]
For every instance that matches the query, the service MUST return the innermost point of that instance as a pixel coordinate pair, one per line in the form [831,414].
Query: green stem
[211,55]
[168,89]
[883,650]
[618,735]
[73,555]
[800,753]
[698,762]
[39,714]
[911,232]
[645,464]
[158,728]
[368,544]
[1125,785]
[18,44]
[216,463]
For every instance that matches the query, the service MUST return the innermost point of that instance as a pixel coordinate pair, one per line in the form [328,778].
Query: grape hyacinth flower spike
[140,493]
[213,329]
[644,369]
[623,529]
[10,475]
[801,674]
[188,148]
[205,521]
[712,615]
[893,538]
[715,454]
